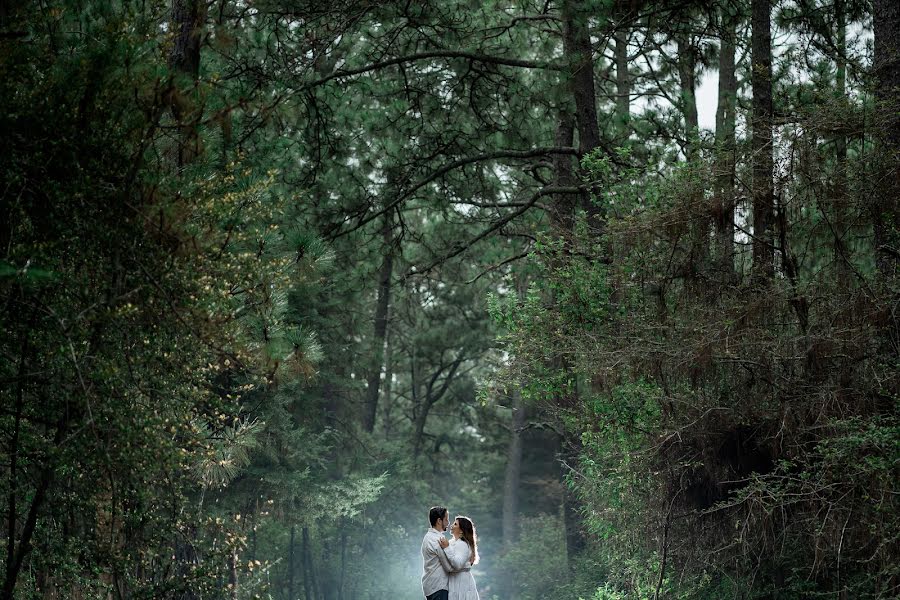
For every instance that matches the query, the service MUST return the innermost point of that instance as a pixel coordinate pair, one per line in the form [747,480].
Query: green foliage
[194,305]
[145,306]
[537,564]
[229,453]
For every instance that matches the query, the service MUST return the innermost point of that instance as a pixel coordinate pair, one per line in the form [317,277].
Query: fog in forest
[615,279]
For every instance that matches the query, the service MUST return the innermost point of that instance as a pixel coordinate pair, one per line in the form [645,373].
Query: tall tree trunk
[343,573]
[47,476]
[15,556]
[511,487]
[687,69]
[418,403]
[329,574]
[388,405]
[381,322]
[291,568]
[187,20]
[886,69]
[623,82]
[563,222]
[419,430]
[726,148]
[570,452]
[513,473]
[310,584]
[13,452]
[579,57]
[577,47]
[562,216]
[761,146]
[697,213]
[841,250]
[233,575]
[186,559]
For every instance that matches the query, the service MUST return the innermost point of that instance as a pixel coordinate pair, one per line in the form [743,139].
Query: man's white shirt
[436,566]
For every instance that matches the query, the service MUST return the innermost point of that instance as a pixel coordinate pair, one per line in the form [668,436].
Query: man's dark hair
[436,513]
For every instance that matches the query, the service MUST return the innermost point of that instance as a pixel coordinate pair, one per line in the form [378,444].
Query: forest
[617,279]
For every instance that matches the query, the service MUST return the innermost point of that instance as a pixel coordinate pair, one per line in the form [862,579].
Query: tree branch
[433,398]
[532,153]
[472,56]
[459,248]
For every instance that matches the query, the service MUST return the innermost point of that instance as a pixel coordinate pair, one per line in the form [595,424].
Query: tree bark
[388,382]
[698,214]
[419,429]
[291,546]
[187,20]
[562,220]
[17,559]
[886,69]
[186,556]
[841,250]
[562,217]
[381,322]
[687,68]
[343,574]
[576,542]
[886,65]
[309,577]
[726,148]
[233,575]
[579,58]
[513,473]
[762,129]
[623,82]
[12,519]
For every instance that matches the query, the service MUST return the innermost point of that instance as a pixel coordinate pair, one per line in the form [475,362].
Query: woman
[463,554]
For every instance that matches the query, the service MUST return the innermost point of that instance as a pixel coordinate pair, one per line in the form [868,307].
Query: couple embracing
[446,574]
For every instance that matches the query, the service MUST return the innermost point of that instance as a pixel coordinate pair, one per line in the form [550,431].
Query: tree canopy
[618,279]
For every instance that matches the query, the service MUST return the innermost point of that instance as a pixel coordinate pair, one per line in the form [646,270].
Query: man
[436,566]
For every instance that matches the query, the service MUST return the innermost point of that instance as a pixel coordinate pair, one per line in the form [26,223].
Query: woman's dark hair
[436,512]
[467,532]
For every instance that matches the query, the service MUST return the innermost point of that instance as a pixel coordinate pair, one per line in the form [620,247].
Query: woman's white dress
[462,584]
